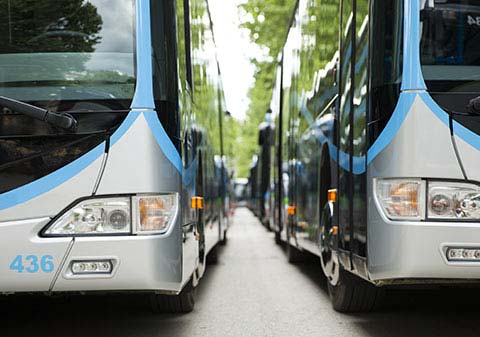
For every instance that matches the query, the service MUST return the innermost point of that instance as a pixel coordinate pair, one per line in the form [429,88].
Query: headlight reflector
[401,199]
[93,217]
[453,200]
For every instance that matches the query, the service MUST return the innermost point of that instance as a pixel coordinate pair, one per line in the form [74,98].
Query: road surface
[252,291]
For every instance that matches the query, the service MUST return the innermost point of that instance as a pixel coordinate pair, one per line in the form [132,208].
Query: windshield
[450,45]
[67,50]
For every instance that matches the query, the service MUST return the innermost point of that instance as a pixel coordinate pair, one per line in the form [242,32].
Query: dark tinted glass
[450,45]
[66,55]
[58,50]
[164,62]
[386,36]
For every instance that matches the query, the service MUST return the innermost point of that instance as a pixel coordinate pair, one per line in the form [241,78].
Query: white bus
[110,121]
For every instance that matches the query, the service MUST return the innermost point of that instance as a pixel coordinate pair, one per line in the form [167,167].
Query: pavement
[251,291]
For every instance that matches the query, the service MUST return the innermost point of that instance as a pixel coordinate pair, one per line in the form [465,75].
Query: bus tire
[212,257]
[175,304]
[278,238]
[224,240]
[353,294]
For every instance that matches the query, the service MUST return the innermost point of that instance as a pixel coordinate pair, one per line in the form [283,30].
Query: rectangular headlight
[453,200]
[401,199]
[155,214]
[103,216]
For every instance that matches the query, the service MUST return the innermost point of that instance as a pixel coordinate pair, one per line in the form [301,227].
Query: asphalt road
[252,291]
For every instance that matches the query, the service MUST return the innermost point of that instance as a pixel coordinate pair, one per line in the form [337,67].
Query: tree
[268,23]
[48,26]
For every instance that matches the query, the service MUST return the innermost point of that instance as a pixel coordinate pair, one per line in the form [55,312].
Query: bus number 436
[32,264]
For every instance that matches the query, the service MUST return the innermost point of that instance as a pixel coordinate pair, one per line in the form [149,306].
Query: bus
[378,130]
[240,192]
[110,121]
[265,153]
[253,186]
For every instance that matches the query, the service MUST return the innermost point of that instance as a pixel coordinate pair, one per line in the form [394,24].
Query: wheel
[177,304]
[224,240]
[348,292]
[353,294]
[278,238]
[212,257]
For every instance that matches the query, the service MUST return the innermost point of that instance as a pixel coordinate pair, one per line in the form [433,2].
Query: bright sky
[234,53]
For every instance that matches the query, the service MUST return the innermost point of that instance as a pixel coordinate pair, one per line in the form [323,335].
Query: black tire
[175,304]
[353,294]
[278,238]
[212,257]
[224,240]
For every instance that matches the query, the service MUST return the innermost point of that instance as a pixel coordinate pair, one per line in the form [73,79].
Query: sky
[234,52]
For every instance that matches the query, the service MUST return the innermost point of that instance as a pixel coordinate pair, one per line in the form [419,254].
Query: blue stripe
[163,140]
[413,74]
[359,164]
[47,183]
[412,78]
[124,127]
[404,105]
[143,98]
[462,132]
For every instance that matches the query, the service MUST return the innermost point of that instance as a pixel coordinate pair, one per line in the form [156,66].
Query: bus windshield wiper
[61,120]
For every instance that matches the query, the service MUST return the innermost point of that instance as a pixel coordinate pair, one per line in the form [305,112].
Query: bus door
[344,207]
[352,145]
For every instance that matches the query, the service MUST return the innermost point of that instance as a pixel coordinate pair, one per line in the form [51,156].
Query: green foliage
[61,25]
[267,21]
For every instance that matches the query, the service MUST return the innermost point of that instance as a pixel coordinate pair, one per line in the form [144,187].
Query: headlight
[401,199]
[117,215]
[453,200]
[94,217]
[154,214]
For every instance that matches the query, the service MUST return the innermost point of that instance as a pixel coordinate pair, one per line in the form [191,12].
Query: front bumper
[141,263]
[409,251]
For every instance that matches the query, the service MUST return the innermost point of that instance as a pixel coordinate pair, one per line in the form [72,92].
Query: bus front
[88,191]
[424,166]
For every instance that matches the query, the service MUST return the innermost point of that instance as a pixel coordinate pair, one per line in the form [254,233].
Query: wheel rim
[328,253]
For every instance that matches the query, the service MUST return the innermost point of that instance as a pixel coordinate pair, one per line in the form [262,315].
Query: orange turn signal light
[197,202]
[291,210]
[335,230]
[332,195]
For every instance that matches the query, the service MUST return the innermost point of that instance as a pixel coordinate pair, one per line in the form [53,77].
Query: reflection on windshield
[53,50]
[450,46]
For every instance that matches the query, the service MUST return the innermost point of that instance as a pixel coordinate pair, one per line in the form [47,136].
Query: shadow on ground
[439,312]
[93,315]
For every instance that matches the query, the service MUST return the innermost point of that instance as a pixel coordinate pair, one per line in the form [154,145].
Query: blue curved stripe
[123,128]
[404,105]
[459,130]
[163,140]
[47,183]
[143,99]
[394,124]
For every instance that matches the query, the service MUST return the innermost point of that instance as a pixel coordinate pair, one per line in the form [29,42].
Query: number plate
[32,264]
